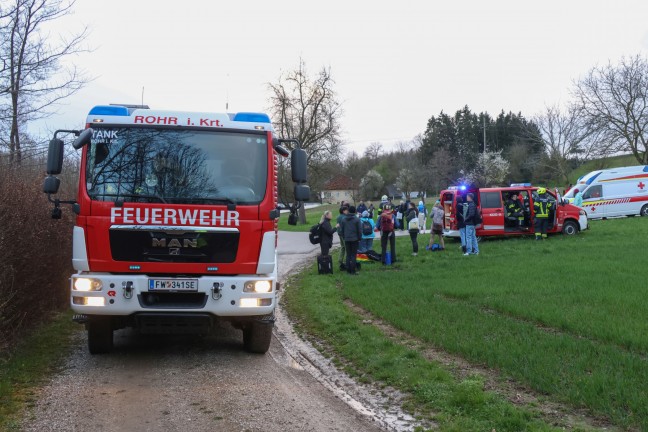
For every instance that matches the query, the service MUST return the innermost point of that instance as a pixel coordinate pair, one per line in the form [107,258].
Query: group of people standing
[357,230]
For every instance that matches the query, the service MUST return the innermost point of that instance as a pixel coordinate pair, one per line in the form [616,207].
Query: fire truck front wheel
[100,335]
[257,336]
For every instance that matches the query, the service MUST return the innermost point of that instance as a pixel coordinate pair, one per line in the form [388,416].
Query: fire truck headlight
[262,286]
[87,284]
[582,212]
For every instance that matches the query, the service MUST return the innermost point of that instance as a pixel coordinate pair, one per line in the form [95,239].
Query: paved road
[205,384]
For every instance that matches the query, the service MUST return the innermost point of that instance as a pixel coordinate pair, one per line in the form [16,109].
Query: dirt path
[199,384]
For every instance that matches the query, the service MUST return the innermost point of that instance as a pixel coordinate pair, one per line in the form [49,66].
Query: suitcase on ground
[324,264]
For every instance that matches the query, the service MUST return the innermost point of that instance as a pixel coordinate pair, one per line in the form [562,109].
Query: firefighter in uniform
[542,208]
[514,210]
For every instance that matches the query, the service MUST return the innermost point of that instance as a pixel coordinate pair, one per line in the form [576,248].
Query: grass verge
[23,370]
[564,317]
[313,216]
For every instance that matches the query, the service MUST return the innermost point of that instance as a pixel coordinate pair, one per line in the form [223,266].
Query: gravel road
[168,383]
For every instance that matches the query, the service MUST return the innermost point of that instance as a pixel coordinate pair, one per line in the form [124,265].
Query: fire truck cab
[176,221]
[491,202]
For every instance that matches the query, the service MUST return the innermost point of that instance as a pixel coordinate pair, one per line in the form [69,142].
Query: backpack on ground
[367,230]
[373,255]
[324,264]
[386,223]
[315,235]
[413,225]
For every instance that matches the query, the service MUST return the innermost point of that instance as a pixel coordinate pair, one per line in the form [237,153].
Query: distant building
[394,193]
[340,188]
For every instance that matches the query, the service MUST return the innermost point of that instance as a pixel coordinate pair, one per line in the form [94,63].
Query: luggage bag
[324,264]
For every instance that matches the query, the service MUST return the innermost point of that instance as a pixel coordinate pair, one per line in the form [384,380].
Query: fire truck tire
[570,228]
[257,336]
[100,336]
[644,210]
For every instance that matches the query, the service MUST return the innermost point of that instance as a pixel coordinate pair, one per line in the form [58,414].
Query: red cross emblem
[593,209]
[641,185]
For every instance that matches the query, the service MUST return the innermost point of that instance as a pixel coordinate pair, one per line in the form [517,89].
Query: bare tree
[32,79]
[613,99]
[307,108]
[566,137]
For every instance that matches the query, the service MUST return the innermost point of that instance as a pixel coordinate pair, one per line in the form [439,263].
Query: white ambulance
[613,192]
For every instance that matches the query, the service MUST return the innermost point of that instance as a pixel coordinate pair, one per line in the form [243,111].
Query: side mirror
[55,156]
[298,166]
[83,139]
[281,150]
[302,192]
[51,184]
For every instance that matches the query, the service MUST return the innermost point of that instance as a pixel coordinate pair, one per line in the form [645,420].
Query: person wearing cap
[542,207]
[367,235]
[351,232]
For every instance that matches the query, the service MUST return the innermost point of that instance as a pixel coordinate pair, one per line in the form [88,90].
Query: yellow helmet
[542,191]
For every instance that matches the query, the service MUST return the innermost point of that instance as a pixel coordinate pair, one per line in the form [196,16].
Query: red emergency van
[491,202]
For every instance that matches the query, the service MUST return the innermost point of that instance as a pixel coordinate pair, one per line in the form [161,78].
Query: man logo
[174,243]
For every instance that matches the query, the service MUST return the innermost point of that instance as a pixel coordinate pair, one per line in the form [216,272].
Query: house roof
[393,191]
[341,182]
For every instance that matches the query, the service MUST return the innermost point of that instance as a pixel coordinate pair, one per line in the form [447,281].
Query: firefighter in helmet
[542,207]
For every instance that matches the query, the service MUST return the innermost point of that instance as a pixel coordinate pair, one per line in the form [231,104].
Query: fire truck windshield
[176,166]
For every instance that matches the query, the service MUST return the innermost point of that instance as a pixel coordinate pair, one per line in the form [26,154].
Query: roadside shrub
[35,254]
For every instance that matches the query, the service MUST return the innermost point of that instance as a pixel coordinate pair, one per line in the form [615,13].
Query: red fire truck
[491,202]
[176,225]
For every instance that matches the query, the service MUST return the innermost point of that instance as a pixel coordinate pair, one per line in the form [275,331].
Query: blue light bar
[135,267]
[462,187]
[109,110]
[520,184]
[251,117]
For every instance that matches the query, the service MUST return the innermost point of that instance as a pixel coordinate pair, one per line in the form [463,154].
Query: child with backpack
[368,235]
[386,227]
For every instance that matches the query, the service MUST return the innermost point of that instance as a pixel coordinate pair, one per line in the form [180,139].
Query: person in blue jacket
[368,232]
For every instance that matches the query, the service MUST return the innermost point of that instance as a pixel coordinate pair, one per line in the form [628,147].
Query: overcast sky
[395,64]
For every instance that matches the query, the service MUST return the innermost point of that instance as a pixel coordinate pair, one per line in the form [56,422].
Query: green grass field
[313,216]
[565,317]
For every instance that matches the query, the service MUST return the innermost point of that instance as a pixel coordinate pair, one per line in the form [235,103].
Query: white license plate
[173,284]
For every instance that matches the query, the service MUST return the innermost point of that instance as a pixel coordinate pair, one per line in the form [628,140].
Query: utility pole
[484,133]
